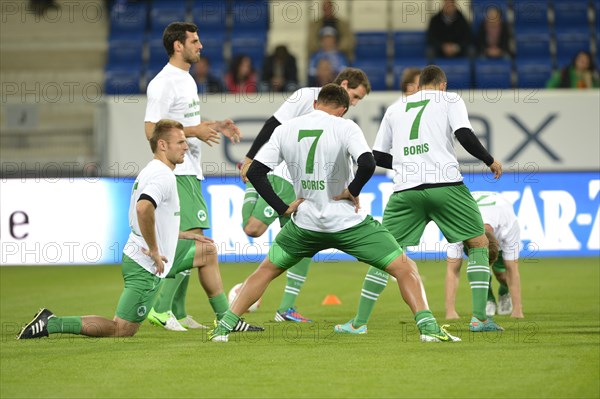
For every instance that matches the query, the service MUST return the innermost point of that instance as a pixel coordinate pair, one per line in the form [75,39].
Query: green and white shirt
[318,149]
[418,132]
[172,94]
[157,181]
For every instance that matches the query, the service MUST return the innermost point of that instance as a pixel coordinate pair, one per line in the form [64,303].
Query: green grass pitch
[554,352]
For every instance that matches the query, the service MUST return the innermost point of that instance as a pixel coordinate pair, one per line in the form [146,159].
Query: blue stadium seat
[157,54]
[570,40]
[371,45]
[533,72]
[531,13]
[250,15]
[117,82]
[480,7]
[210,15]
[570,13]
[400,64]
[458,72]
[163,13]
[123,50]
[376,72]
[129,18]
[410,44]
[532,42]
[251,43]
[212,45]
[492,74]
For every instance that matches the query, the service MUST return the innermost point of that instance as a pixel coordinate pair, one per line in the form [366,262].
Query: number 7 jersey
[418,132]
[318,149]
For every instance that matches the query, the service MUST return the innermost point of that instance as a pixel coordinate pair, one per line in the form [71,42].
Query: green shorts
[499,266]
[263,211]
[140,292]
[452,208]
[184,258]
[368,241]
[194,213]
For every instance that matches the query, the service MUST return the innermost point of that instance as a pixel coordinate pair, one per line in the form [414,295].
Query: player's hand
[346,195]
[188,235]
[496,168]
[293,207]
[159,260]
[206,131]
[229,130]
[244,169]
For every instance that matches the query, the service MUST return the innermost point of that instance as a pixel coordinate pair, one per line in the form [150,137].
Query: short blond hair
[161,130]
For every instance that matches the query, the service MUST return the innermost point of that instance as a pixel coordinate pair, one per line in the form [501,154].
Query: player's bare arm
[146,220]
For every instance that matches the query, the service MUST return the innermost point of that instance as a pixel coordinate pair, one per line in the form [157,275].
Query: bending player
[327,212]
[257,215]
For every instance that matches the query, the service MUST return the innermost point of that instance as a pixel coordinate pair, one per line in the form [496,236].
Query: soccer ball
[233,293]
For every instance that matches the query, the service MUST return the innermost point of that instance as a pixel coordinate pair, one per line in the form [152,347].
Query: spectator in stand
[493,35]
[280,72]
[448,34]
[580,74]
[346,40]
[205,80]
[241,77]
[329,50]
[324,74]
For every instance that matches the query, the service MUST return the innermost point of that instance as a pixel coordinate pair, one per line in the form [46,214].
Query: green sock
[250,199]
[296,276]
[374,284]
[219,304]
[179,298]
[426,322]
[229,321]
[490,294]
[503,289]
[164,303]
[67,325]
[478,273]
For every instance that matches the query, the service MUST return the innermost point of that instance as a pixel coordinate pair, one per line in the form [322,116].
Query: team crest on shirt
[201,215]
[141,311]
[269,212]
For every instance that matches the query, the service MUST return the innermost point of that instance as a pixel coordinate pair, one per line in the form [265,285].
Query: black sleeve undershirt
[366,168]
[257,175]
[471,143]
[263,136]
[147,198]
[383,159]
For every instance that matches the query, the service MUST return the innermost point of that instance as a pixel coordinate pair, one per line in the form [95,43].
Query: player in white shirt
[150,252]
[257,215]
[502,228]
[173,94]
[415,139]
[327,212]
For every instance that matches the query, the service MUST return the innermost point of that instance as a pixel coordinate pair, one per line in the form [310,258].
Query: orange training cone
[331,300]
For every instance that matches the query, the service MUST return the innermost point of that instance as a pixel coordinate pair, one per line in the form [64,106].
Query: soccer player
[327,209]
[172,94]
[150,253]
[257,215]
[415,140]
[502,228]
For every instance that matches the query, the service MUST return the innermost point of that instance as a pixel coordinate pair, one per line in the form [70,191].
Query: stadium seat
[157,53]
[118,82]
[400,64]
[371,45]
[210,15]
[533,72]
[531,13]
[532,42]
[250,43]
[250,15]
[458,72]
[129,18]
[376,71]
[570,13]
[410,44]
[124,50]
[212,45]
[163,13]
[480,7]
[570,40]
[492,74]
